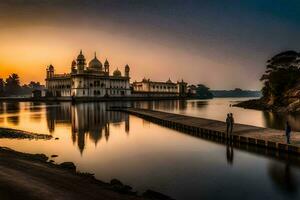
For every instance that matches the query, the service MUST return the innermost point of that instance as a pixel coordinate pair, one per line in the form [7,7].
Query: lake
[148,156]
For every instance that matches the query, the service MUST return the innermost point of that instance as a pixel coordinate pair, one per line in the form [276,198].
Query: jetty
[207,128]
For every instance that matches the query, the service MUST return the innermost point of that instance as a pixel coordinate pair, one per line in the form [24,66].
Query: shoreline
[19,134]
[254,104]
[35,176]
[38,178]
[259,104]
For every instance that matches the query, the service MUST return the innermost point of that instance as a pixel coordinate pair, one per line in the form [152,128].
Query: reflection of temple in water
[13,108]
[58,114]
[87,120]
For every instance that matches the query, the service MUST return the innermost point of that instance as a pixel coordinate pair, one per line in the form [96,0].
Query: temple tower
[80,62]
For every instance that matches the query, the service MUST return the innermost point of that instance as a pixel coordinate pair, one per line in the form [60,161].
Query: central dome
[95,63]
[117,73]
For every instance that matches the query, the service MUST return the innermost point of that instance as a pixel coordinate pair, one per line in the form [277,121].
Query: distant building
[168,88]
[192,90]
[93,80]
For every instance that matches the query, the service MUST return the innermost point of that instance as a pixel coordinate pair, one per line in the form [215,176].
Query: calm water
[148,156]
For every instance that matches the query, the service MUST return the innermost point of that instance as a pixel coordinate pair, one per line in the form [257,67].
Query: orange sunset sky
[219,44]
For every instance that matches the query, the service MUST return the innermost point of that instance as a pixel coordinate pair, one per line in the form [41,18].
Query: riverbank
[18,134]
[255,104]
[30,176]
[288,105]
[34,176]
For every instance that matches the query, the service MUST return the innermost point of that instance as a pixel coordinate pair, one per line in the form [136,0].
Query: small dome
[51,67]
[127,68]
[169,81]
[117,73]
[95,63]
[73,63]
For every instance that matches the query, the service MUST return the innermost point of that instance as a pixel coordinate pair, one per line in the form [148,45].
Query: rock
[115,182]
[151,194]
[56,138]
[68,165]
[118,186]
[40,157]
[51,161]
[54,156]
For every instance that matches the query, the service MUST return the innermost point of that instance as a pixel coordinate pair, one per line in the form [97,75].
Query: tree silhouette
[12,86]
[202,91]
[282,73]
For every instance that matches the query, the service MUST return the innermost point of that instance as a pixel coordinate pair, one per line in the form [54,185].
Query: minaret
[106,67]
[127,70]
[73,66]
[81,62]
[50,71]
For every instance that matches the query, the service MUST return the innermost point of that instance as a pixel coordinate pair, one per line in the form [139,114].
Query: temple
[93,80]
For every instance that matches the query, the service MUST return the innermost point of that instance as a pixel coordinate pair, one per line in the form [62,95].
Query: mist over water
[148,156]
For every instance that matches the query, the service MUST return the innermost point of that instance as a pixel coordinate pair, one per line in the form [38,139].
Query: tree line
[11,86]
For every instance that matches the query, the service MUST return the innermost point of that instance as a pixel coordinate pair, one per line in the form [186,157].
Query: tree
[282,73]
[203,92]
[12,85]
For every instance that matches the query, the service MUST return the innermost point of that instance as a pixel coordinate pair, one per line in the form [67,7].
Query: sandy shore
[31,177]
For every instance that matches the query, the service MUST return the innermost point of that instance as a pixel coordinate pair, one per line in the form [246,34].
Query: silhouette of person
[288,131]
[231,123]
[227,125]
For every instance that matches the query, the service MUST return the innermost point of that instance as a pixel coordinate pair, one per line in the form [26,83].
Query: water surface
[148,156]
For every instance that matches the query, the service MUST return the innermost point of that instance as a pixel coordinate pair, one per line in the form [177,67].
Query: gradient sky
[221,43]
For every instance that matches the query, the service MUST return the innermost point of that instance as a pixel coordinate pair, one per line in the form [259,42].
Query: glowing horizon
[221,44]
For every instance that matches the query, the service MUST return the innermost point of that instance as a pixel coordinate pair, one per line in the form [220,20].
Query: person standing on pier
[227,124]
[231,124]
[288,131]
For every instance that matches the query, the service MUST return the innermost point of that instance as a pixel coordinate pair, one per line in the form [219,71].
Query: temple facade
[92,80]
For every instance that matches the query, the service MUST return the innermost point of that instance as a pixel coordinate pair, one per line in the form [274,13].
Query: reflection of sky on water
[146,155]
[219,107]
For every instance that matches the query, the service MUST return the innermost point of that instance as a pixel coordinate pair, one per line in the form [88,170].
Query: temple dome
[169,81]
[95,63]
[51,67]
[73,63]
[117,73]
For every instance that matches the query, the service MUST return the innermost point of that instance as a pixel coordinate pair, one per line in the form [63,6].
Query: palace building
[168,88]
[92,80]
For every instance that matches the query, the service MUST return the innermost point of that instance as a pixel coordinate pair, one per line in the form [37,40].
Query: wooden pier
[207,128]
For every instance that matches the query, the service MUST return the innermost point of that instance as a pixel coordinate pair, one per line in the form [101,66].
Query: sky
[221,43]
